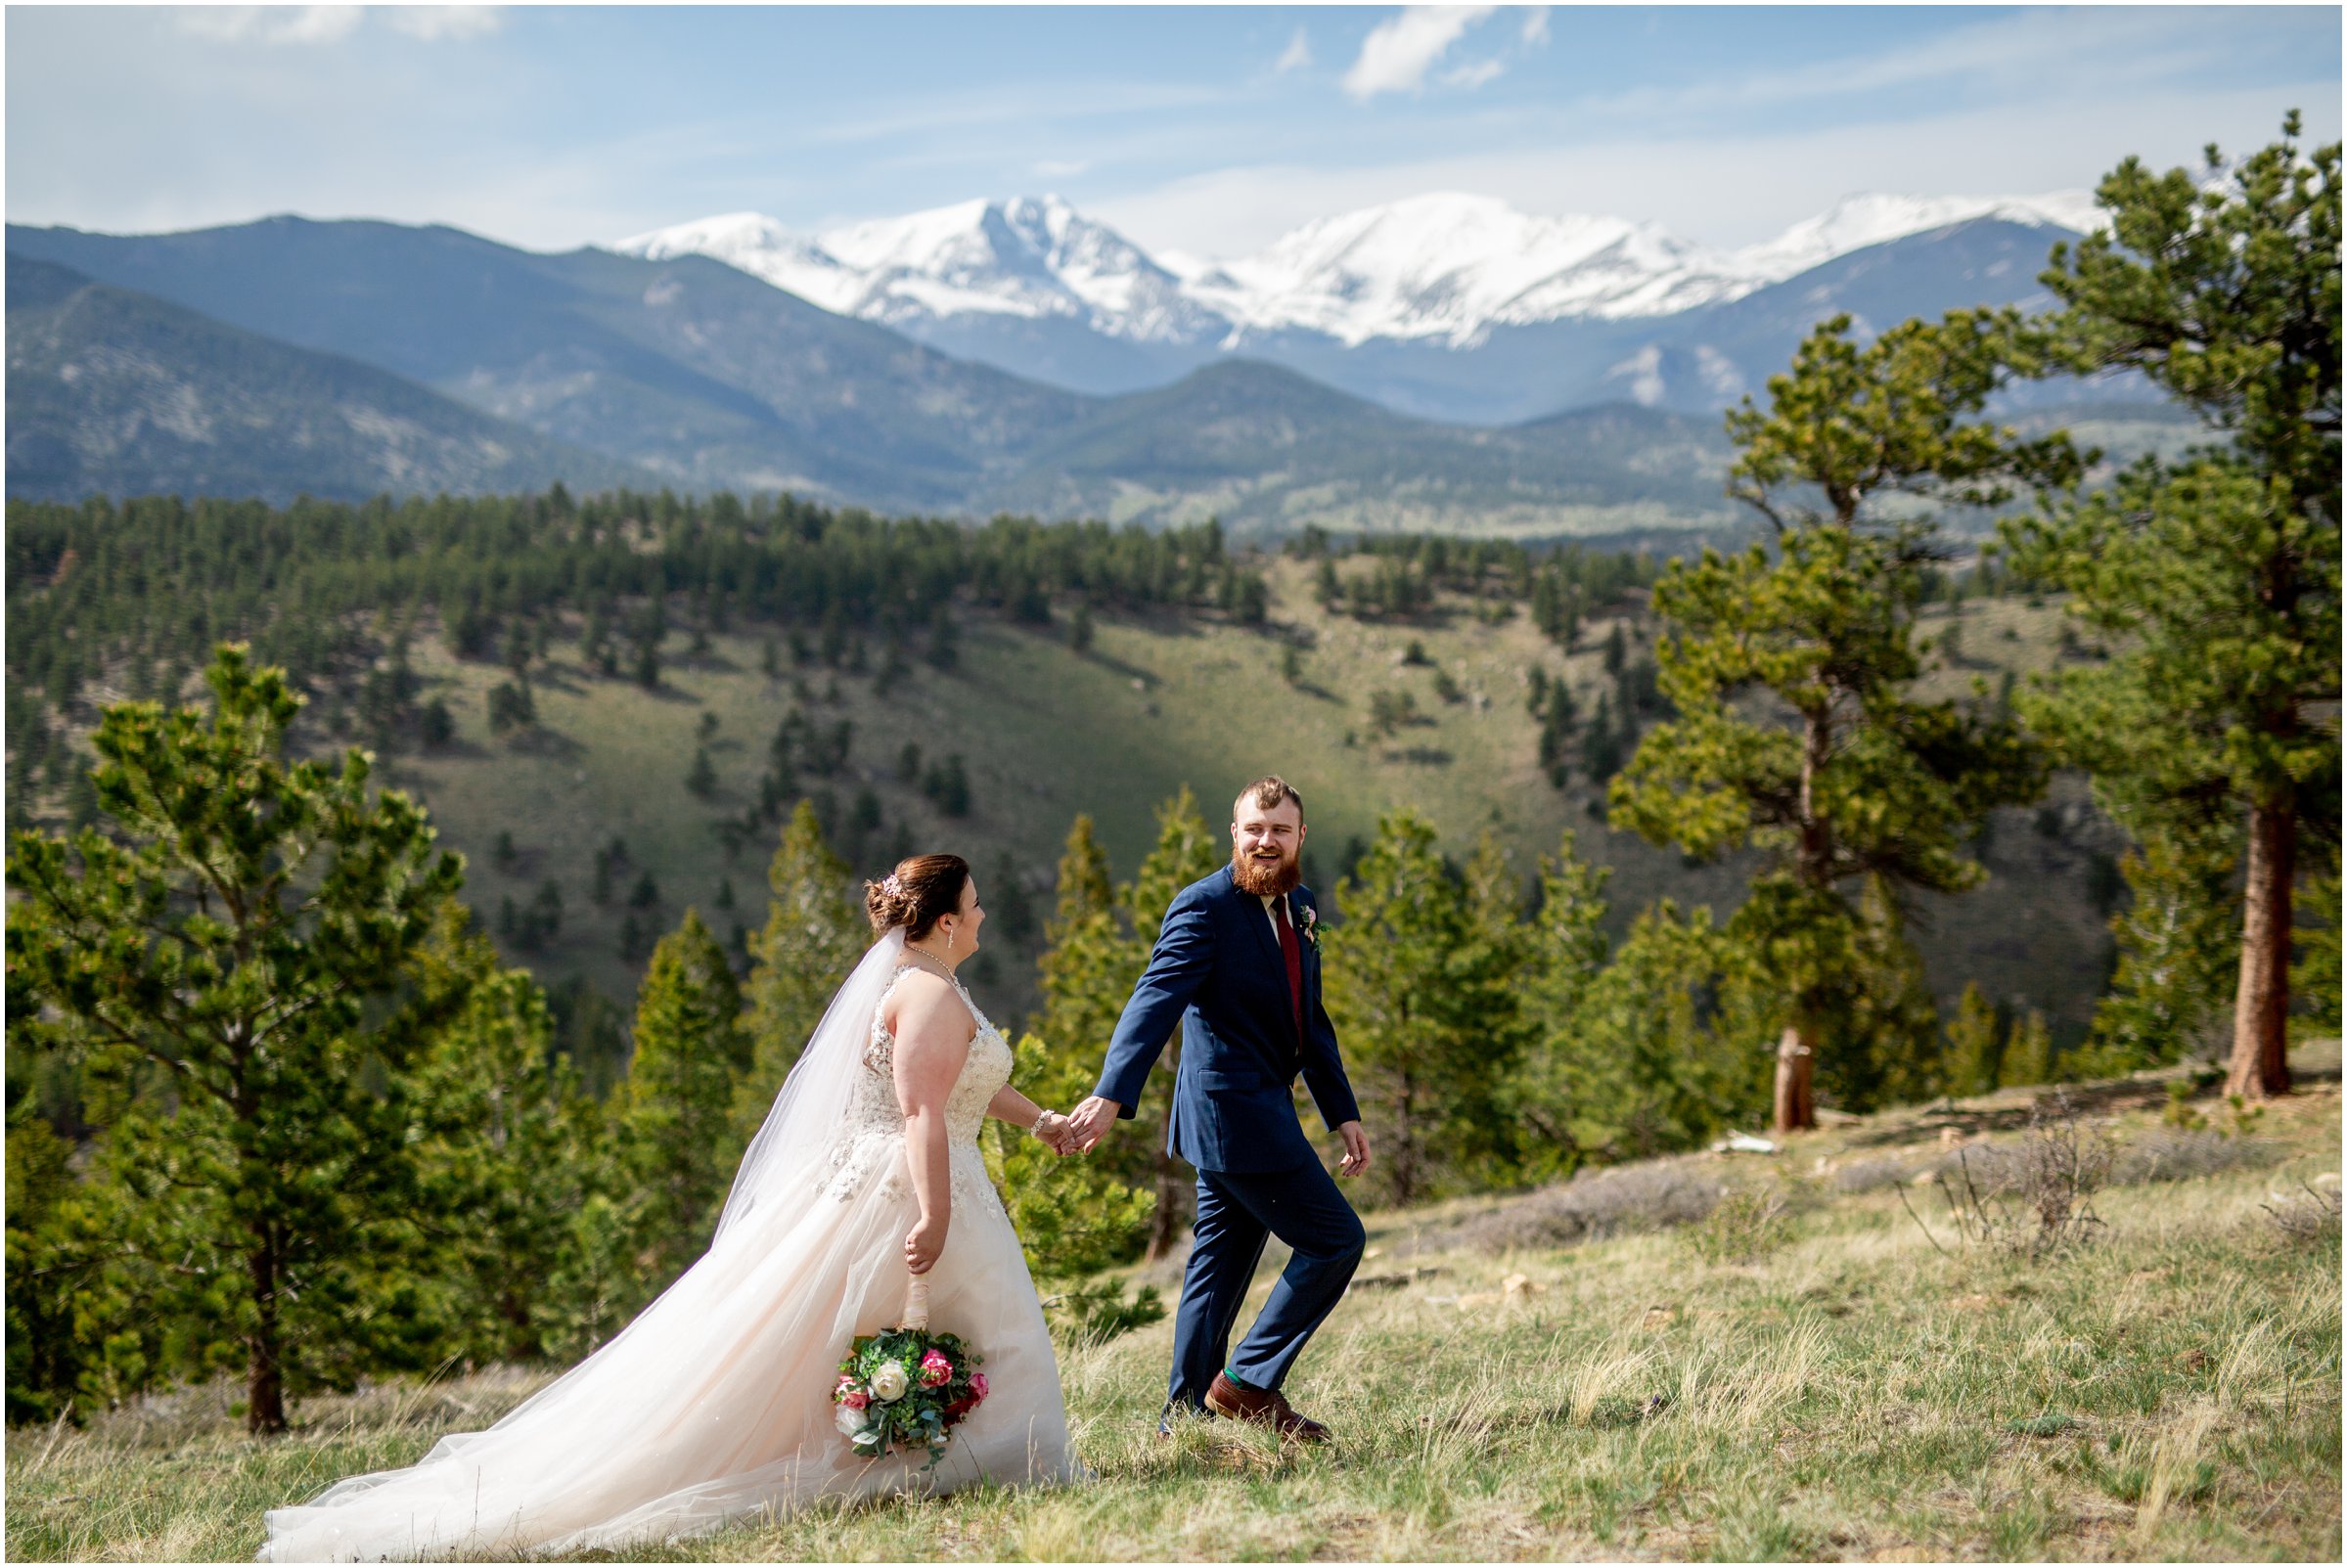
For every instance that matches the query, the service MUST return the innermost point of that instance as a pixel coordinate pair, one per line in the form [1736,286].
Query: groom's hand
[1356,1150]
[1090,1122]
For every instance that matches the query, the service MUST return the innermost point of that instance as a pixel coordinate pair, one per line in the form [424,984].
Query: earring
[949,939]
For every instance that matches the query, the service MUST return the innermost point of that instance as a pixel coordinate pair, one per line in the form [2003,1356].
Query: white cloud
[1475,75]
[272,24]
[1536,27]
[1399,51]
[1053,168]
[1296,56]
[326,24]
[431,23]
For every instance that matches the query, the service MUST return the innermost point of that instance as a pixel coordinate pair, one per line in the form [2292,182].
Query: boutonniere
[1310,929]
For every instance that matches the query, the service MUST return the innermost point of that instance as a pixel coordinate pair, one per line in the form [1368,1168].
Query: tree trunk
[264,1379]
[1796,1107]
[1796,1049]
[2260,1067]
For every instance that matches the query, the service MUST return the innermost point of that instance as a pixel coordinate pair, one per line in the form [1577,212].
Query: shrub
[1745,1226]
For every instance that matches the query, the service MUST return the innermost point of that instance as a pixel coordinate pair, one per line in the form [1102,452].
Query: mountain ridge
[116,391]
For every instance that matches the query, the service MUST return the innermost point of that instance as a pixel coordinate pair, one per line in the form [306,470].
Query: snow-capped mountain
[1442,266]
[1037,259]
[1856,222]
[1449,266]
[1446,305]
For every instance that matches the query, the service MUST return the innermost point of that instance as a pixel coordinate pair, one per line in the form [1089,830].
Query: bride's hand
[922,1243]
[1052,1128]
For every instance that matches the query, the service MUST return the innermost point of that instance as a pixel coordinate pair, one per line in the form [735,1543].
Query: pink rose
[977,1387]
[855,1398]
[935,1370]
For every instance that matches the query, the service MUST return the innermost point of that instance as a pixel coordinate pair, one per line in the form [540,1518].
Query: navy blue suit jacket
[1218,971]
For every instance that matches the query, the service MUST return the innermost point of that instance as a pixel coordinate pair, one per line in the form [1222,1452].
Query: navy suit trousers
[1238,1211]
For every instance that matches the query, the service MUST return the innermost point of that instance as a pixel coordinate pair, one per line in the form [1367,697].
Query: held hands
[1053,1130]
[1356,1150]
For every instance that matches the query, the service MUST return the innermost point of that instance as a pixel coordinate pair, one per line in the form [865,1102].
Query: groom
[1237,964]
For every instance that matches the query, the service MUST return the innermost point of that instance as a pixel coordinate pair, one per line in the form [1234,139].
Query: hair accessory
[892,887]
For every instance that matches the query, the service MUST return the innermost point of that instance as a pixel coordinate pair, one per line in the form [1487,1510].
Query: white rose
[889,1383]
[852,1421]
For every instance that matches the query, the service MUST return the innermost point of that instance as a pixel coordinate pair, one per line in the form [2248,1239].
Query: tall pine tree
[241,936]
[1867,785]
[2220,569]
[814,934]
[1423,1003]
[676,1139]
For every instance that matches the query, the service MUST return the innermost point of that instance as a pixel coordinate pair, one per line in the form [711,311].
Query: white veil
[812,1106]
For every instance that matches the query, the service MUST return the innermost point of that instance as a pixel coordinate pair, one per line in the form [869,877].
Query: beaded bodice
[874,1138]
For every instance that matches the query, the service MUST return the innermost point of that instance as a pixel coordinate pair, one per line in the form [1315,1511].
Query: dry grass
[2171,1392]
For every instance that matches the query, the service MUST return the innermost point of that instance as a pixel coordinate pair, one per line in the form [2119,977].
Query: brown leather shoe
[1264,1407]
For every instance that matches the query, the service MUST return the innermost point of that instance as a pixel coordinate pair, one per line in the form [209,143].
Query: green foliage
[244,939]
[69,1345]
[508,1152]
[2217,574]
[1969,1061]
[2178,939]
[1134,1191]
[1646,1061]
[1866,782]
[2029,1058]
[1419,983]
[676,1140]
[2315,977]
[1097,1312]
[1087,969]
[1565,952]
[1075,1217]
[814,934]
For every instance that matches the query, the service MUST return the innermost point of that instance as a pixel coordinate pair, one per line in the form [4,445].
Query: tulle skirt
[714,1405]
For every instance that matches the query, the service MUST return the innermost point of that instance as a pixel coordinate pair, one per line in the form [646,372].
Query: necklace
[938,966]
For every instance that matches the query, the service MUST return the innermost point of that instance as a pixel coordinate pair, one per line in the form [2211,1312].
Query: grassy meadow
[1155,703]
[1630,1365]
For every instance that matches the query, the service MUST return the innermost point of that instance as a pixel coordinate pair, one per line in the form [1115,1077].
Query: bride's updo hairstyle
[916,894]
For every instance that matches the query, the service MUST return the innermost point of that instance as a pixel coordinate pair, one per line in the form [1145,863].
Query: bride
[715,1403]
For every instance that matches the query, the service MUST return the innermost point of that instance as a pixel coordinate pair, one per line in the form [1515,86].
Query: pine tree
[1076,1215]
[1565,949]
[510,1151]
[1868,783]
[240,936]
[1638,1068]
[675,1138]
[1188,848]
[1413,991]
[2219,570]
[2028,1057]
[814,935]
[1970,1063]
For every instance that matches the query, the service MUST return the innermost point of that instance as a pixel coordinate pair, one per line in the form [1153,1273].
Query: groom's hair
[1270,792]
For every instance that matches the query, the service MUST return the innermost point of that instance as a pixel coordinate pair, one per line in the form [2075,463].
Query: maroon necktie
[1292,950]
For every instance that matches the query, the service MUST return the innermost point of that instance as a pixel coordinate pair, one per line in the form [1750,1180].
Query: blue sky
[1207,129]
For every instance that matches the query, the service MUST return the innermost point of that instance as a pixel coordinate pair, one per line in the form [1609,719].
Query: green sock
[1238,1382]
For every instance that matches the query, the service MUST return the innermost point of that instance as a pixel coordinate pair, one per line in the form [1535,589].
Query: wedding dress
[715,1402]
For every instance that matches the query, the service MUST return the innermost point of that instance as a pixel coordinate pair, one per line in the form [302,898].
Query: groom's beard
[1265,879]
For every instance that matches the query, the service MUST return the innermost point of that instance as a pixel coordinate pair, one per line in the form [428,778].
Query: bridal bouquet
[906,1385]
